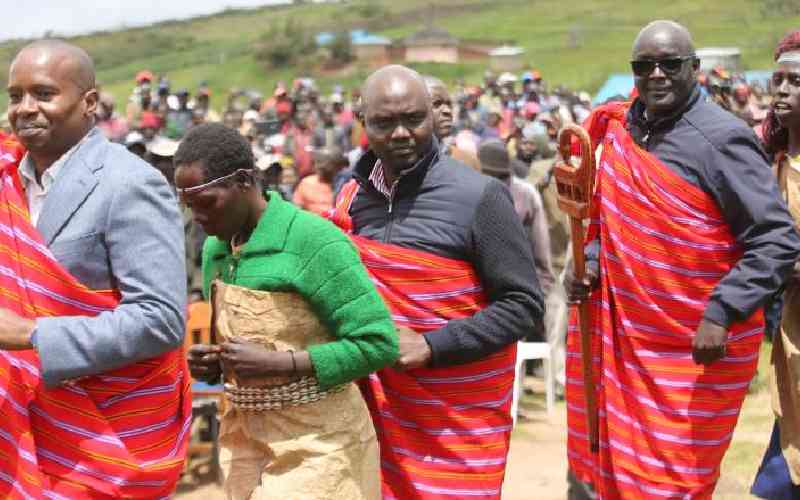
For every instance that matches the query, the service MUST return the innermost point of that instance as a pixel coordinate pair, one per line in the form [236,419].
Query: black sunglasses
[670,65]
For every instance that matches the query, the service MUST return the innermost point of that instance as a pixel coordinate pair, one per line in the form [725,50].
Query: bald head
[52,98]
[665,32]
[432,82]
[665,67]
[397,116]
[68,60]
[391,81]
[441,106]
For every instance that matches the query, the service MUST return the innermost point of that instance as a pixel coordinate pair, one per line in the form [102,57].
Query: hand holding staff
[575,188]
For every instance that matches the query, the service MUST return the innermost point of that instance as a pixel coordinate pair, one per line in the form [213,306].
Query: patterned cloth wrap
[665,422]
[120,434]
[443,432]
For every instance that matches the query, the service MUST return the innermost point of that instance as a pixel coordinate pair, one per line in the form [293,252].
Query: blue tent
[622,84]
[617,84]
[357,37]
[758,76]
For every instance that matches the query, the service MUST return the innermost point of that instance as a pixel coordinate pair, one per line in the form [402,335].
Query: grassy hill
[574,43]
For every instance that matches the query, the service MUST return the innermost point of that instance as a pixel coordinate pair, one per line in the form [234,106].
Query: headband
[219,180]
[790,57]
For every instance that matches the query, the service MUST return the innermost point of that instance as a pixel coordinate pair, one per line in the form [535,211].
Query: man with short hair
[689,239]
[442,107]
[92,299]
[450,258]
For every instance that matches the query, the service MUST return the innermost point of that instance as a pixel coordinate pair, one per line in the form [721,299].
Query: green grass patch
[573,43]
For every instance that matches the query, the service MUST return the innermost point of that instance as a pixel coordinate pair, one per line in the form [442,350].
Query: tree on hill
[284,46]
[341,48]
[779,8]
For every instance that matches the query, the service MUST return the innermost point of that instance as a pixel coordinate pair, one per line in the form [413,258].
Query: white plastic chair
[533,350]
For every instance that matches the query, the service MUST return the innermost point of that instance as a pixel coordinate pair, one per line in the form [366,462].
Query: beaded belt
[303,391]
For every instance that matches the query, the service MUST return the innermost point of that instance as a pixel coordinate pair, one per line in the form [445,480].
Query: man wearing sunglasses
[689,240]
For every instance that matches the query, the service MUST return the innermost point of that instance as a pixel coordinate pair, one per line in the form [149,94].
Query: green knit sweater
[291,250]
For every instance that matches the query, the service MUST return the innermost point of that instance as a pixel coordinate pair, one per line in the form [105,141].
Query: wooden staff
[575,188]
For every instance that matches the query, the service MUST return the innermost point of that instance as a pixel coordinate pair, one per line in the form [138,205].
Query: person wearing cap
[298,320]
[202,104]
[249,119]
[144,77]
[689,241]
[552,124]
[269,171]
[159,154]
[442,108]
[149,125]
[533,145]
[162,106]
[496,163]
[135,143]
[179,120]
[141,98]
[315,192]
[534,153]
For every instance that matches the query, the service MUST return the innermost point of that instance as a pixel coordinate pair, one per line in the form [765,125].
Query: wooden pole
[575,188]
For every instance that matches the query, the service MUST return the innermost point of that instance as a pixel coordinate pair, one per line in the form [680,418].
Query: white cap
[267,161]
[163,146]
[506,78]
[134,138]
[251,115]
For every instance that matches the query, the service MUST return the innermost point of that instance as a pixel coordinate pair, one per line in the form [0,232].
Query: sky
[26,19]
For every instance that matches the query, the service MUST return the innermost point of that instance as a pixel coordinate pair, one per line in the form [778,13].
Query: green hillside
[574,43]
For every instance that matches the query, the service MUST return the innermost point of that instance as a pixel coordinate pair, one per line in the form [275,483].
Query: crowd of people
[373,256]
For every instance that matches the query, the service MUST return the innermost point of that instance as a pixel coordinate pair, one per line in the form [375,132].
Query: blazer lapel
[74,183]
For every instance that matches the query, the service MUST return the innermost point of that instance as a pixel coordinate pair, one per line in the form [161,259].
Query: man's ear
[245,180]
[90,99]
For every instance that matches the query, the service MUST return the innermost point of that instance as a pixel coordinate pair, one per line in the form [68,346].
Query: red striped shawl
[444,432]
[665,422]
[122,434]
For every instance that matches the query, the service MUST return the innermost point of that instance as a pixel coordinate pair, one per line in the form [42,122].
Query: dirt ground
[537,463]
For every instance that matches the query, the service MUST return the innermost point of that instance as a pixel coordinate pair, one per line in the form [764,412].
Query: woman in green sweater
[298,320]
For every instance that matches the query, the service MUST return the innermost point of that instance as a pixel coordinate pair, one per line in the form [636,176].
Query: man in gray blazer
[108,217]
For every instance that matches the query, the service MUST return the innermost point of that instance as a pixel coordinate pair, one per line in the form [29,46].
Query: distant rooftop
[506,50]
[357,37]
[431,35]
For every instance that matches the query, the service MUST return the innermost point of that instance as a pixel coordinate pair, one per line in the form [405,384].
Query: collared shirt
[378,179]
[36,192]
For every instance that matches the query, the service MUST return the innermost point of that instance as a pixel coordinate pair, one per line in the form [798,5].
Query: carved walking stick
[575,188]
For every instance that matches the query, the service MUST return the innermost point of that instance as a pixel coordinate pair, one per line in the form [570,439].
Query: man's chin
[662,105]
[398,164]
[33,139]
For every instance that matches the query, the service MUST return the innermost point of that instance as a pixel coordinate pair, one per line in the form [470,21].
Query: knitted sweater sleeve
[504,263]
[340,291]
